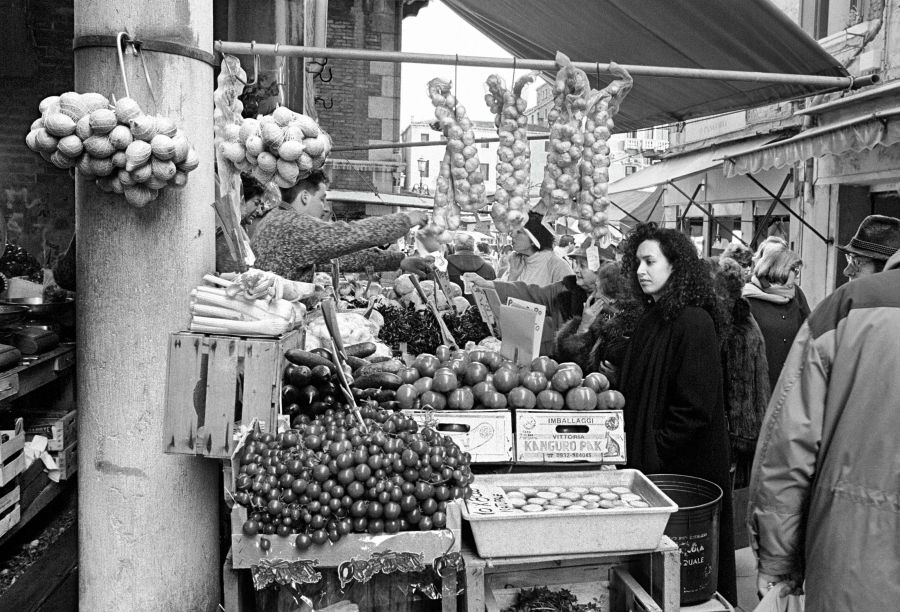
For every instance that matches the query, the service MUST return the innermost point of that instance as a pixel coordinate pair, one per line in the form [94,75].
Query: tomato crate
[60,427]
[215,383]
[487,435]
[10,517]
[246,551]
[561,436]
[12,456]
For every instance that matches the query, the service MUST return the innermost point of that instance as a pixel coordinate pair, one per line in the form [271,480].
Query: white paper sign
[525,340]
[593,258]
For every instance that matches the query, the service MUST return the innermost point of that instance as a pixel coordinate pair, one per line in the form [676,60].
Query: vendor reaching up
[291,237]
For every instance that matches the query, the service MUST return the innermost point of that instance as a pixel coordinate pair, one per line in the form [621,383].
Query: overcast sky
[437,29]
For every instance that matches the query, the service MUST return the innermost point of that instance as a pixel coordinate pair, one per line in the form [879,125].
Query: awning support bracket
[690,202]
[791,211]
[775,201]
[625,211]
[708,213]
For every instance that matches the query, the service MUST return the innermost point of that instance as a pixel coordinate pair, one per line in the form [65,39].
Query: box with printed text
[550,436]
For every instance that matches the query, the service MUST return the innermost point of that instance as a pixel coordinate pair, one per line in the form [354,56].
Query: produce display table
[658,570]
[35,372]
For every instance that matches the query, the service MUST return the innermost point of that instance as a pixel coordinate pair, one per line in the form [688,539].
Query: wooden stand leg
[474,584]
[448,590]
[625,593]
[662,571]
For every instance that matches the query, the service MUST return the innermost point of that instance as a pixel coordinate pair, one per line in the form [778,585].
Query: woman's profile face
[521,243]
[584,276]
[654,269]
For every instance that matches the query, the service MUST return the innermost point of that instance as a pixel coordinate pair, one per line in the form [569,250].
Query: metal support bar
[688,207]
[242,48]
[776,200]
[625,211]
[708,213]
[798,217]
[430,143]
[655,204]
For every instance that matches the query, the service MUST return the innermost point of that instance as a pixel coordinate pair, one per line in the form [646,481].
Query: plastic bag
[354,327]
[773,602]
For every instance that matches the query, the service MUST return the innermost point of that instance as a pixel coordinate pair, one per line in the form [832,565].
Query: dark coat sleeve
[695,384]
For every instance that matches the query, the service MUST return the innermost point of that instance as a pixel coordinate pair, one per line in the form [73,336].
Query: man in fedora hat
[876,239]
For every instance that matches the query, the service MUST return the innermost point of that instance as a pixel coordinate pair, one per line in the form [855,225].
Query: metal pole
[708,213]
[775,201]
[430,143]
[242,48]
[799,218]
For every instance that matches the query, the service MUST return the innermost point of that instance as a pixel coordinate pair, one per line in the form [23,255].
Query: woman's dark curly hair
[691,282]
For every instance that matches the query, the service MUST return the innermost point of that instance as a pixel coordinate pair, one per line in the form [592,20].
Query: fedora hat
[877,237]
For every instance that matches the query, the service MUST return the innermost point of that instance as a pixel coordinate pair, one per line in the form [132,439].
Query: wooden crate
[492,583]
[60,427]
[12,456]
[246,551]
[67,461]
[9,518]
[9,495]
[216,382]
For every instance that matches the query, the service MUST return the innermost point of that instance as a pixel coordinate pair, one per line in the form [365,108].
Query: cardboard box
[550,436]
[59,427]
[246,551]
[487,435]
[217,382]
[67,461]
[12,456]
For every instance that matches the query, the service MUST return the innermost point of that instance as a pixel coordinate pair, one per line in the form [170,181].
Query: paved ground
[746,579]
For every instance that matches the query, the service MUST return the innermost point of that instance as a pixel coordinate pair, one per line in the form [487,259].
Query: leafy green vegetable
[542,599]
[419,329]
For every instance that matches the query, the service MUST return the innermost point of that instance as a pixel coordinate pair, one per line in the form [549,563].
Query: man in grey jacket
[824,510]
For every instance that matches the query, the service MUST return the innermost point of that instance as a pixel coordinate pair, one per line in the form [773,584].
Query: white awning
[681,166]
[864,132]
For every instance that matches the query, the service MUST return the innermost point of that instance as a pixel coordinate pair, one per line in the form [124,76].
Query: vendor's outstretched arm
[293,242]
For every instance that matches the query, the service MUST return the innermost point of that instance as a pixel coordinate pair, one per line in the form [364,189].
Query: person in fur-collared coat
[744,367]
[599,335]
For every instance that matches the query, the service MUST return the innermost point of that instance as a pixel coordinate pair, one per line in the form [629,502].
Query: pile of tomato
[327,477]
[484,379]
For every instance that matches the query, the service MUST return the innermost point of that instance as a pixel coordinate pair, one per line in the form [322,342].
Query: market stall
[355,427]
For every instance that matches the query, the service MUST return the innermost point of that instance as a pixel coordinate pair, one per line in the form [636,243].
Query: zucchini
[361,350]
[392,366]
[322,352]
[309,359]
[356,363]
[378,359]
[378,380]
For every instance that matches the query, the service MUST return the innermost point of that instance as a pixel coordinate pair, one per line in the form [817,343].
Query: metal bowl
[10,314]
[38,307]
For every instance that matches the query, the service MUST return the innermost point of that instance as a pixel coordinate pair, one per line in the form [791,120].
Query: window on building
[425,137]
[485,145]
[485,171]
[630,170]
[427,168]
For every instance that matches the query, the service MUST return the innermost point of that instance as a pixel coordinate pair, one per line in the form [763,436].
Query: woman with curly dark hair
[672,373]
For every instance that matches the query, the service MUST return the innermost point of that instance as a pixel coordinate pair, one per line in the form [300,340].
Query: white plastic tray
[499,534]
